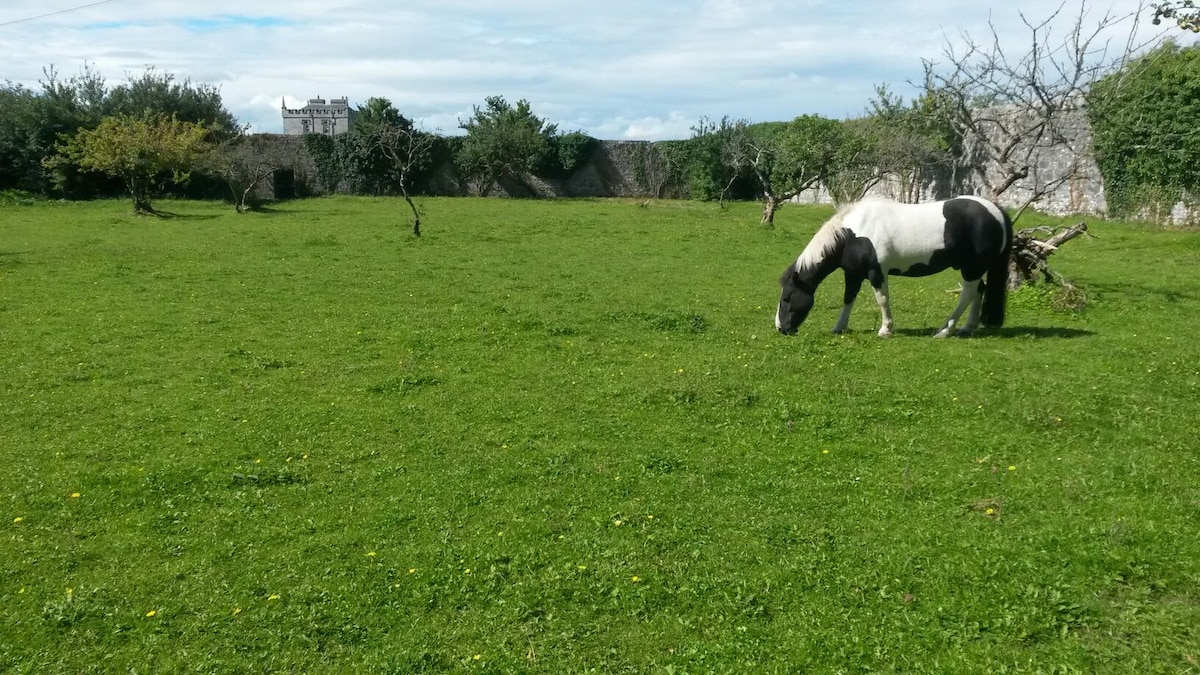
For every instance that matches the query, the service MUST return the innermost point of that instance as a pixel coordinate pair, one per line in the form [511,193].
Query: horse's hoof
[942,333]
[885,333]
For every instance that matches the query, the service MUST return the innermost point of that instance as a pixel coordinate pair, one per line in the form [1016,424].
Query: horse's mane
[827,240]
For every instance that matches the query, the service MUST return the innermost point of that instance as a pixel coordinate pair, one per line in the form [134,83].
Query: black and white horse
[875,238]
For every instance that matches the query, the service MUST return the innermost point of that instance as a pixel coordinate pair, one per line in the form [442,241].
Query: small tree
[143,153]
[856,166]
[908,142]
[154,92]
[790,158]
[243,165]
[408,150]
[504,142]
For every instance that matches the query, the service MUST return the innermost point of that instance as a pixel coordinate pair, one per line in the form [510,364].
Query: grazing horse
[875,238]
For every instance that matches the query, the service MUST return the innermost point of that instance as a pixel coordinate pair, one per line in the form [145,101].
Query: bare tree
[1009,108]
[408,149]
[243,164]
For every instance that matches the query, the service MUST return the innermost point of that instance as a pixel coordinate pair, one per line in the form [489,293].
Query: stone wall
[635,169]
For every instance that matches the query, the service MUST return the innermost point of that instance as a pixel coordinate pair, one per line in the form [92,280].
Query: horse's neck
[823,254]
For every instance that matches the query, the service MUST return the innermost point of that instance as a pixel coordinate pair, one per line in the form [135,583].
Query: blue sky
[616,69]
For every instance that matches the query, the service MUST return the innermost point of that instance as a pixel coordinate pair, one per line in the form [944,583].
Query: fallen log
[1028,261]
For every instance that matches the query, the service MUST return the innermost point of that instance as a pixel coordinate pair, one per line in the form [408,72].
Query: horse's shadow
[1036,332]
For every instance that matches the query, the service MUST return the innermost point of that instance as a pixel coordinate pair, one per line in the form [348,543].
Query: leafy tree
[856,165]
[1144,128]
[504,142]
[1185,13]
[19,167]
[141,152]
[379,110]
[712,158]
[31,124]
[908,140]
[568,153]
[790,158]
[158,93]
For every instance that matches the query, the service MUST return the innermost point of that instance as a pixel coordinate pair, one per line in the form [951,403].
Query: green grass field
[563,436]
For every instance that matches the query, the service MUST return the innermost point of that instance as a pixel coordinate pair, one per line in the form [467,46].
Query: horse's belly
[917,265]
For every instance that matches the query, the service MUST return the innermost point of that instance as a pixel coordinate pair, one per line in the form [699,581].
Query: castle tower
[318,117]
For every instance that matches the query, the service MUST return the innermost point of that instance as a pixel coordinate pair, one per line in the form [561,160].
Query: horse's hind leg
[969,296]
[885,307]
[974,314]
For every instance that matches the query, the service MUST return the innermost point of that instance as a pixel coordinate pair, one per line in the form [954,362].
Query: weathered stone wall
[637,169]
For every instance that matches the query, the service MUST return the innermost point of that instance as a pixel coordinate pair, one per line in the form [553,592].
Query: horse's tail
[995,291]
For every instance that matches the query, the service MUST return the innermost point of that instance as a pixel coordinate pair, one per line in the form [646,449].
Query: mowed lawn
[563,436]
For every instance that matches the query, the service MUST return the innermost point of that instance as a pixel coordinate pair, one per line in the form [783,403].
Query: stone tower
[318,117]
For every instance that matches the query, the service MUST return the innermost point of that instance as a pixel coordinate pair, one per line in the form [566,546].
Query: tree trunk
[770,205]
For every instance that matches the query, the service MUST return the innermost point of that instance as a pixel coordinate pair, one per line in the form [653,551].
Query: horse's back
[903,235]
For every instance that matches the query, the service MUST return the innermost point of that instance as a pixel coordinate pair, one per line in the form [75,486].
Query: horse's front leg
[969,296]
[885,306]
[853,286]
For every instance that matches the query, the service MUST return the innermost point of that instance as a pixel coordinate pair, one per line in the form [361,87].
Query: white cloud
[616,69]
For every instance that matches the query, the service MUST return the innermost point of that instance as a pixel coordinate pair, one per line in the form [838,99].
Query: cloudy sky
[616,69]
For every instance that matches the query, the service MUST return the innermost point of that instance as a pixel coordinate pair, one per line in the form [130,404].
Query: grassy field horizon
[564,436]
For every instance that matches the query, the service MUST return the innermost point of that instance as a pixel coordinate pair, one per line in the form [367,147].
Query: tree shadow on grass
[169,215]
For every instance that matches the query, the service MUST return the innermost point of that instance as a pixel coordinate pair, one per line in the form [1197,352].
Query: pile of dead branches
[1030,254]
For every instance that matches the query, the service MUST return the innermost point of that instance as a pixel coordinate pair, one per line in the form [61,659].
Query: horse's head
[795,301]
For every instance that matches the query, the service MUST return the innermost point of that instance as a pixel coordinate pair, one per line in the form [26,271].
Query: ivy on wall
[1145,132]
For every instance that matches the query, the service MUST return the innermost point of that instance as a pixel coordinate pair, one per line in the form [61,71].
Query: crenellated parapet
[319,116]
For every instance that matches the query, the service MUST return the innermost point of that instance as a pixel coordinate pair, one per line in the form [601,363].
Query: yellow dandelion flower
[467,571]
[412,570]
[74,495]
[1012,468]
[272,598]
[237,610]
[636,579]
[582,567]
[477,657]
[371,554]
[152,613]
[824,452]
[617,523]
[990,511]
[18,519]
